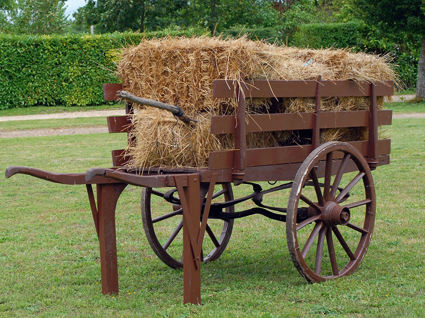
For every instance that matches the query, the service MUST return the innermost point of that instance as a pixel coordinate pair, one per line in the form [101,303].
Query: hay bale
[180,71]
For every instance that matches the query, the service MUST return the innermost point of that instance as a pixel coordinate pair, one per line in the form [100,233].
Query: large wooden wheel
[331,212]
[163,223]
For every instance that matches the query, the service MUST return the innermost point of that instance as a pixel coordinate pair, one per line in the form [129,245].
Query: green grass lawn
[53,123]
[406,92]
[49,254]
[406,107]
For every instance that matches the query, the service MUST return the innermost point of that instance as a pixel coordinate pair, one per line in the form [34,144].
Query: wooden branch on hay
[175,110]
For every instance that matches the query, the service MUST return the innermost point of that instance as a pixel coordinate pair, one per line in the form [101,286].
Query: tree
[397,17]
[135,15]
[39,16]
[109,15]
[6,4]
[5,7]
[249,13]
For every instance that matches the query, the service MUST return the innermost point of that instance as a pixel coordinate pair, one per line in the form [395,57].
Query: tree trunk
[142,18]
[420,84]
[213,16]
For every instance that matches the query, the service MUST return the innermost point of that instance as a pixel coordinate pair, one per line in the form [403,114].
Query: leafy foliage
[112,16]
[269,34]
[38,17]
[302,12]
[109,16]
[61,70]
[394,16]
[6,4]
[338,35]
[404,49]
[401,22]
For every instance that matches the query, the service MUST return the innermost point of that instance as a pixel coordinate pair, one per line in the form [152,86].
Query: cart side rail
[297,121]
[280,88]
[375,151]
[278,121]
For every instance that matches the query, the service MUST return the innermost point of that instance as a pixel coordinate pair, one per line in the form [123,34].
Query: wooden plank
[283,155]
[287,172]
[118,124]
[110,91]
[279,88]
[118,158]
[292,121]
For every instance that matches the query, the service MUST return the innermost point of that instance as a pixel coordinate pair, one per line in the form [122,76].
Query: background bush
[269,34]
[324,35]
[402,51]
[62,70]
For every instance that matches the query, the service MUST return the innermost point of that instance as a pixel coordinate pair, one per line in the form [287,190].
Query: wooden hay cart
[328,187]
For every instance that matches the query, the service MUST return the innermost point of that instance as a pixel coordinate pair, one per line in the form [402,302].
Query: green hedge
[61,70]
[337,35]
[271,35]
[402,49]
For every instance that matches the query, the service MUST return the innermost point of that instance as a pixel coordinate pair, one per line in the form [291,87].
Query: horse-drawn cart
[326,190]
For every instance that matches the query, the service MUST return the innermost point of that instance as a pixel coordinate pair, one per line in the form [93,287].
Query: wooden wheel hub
[334,214]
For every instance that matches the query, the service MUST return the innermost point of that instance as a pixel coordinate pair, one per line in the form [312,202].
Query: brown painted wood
[190,196]
[107,197]
[291,121]
[239,158]
[93,207]
[279,88]
[373,130]
[139,178]
[282,155]
[63,178]
[316,118]
[286,172]
[110,91]
[118,158]
[118,124]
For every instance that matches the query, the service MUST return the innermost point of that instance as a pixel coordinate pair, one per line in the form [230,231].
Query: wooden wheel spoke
[332,255]
[217,194]
[328,175]
[350,186]
[357,204]
[357,228]
[308,221]
[317,188]
[319,251]
[173,235]
[343,243]
[212,236]
[310,203]
[167,216]
[339,175]
[311,239]
[157,193]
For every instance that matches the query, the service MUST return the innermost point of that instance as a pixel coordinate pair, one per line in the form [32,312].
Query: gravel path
[59,131]
[95,130]
[95,113]
[402,98]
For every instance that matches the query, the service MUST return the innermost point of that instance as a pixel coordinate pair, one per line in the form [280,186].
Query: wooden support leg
[107,197]
[190,196]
